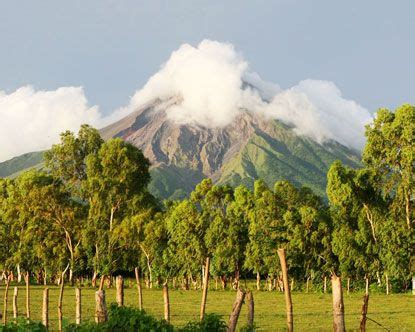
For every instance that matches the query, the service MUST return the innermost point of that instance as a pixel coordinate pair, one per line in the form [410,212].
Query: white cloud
[215,83]
[32,120]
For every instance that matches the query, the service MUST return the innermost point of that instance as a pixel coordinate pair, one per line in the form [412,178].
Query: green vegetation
[285,156]
[12,167]
[92,213]
[312,311]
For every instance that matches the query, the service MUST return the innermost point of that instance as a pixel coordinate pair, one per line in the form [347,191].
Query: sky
[103,51]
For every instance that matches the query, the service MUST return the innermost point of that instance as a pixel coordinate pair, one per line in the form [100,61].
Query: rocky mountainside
[250,147]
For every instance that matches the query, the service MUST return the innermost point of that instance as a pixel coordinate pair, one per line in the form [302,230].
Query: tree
[390,152]
[67,160]
[116,179]
[265,232]
[186,248]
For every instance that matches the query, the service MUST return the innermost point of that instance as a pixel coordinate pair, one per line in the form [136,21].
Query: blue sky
[112,47]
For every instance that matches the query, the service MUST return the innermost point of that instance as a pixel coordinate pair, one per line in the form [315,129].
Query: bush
[22,326]
[211,323]
[124,319]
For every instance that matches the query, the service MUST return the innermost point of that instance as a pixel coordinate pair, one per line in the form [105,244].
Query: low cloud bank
[32,120]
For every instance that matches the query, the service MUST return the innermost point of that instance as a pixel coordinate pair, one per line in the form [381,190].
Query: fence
[57,306]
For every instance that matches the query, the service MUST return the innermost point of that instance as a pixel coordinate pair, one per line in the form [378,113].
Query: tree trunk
[223,281]
[348,286]
[251,309]
[19,274]
[338,306]
[60,300]
[119,284]
[45,308]
[387,283]
[6,293]
[288,302]
[71,276]
[15,307]
[205,289]
[78,310]
[236,280]
[186,283]
[307,284]
[166,302]
[139,290]
[325,285]
[258,281]
[367,285]
[364,313]
[26,279]
[94,279]
[101,283]
[100,307]
[236,309]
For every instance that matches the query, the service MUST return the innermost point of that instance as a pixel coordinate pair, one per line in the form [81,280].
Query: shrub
[124,319]
[211,323]
[22,325]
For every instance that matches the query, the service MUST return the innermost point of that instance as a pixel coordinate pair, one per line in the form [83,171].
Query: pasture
[312,311]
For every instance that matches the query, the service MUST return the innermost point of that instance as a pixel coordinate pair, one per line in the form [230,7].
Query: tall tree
[67,159]
[390,152]
[116,179]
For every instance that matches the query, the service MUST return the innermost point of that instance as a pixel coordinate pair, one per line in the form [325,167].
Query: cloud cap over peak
[215,83]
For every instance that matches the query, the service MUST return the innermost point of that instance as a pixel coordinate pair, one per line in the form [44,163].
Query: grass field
[312,311]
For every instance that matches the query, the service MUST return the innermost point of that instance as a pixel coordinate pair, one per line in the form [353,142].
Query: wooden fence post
[60,300]
[78,310]
[139,290]
[288,301]
[205,289]
[26,279]
[236,309]
[45,308]
[15,307]
[6,293]
[251,309]
[166,302]
[119,285]
[100,307]
[364,313]
[338,306]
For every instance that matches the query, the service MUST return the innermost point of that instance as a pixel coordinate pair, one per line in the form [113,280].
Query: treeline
[90,210]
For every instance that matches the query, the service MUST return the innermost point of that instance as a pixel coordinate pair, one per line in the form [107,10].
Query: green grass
[312,311]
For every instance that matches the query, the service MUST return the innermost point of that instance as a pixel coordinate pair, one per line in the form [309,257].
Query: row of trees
[90,209]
